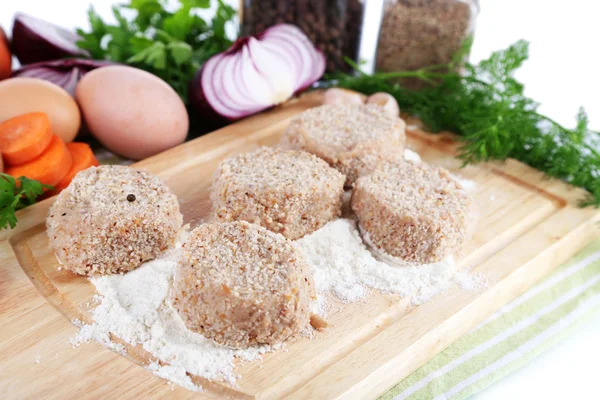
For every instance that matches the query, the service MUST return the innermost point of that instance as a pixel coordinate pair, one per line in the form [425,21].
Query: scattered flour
[134,307]
[343,265]
[176,375]
[470,282]
[410,155]
[467,184]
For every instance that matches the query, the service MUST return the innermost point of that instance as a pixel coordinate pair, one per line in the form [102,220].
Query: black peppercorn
[131,197]
[333,26]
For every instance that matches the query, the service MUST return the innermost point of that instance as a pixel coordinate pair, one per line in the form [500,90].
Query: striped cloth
[513,336]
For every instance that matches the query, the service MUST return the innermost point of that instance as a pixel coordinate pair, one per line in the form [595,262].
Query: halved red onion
[257,72]
[35,40]
[292,35]
[64,73]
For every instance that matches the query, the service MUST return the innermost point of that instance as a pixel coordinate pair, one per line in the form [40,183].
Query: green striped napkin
[513,336]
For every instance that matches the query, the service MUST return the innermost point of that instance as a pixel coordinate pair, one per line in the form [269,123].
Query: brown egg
[387,101]
[343,96]
[24,95]
[131,112]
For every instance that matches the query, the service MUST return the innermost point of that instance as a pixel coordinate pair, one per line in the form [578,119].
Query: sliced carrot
[24,138]
[83,158]
[49,168]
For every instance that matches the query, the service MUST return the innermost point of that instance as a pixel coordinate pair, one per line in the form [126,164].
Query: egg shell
[343,96]
[24,95]
[132,112]
[387,101]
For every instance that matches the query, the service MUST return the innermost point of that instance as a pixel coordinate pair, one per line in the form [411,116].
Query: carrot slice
[50,167]
[24,137]
[83,158]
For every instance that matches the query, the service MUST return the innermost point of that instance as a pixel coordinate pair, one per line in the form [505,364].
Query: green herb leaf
[172,45]
[486,105]
[180,51]
[195,3]
[179,25]
[224,14]
[16,194]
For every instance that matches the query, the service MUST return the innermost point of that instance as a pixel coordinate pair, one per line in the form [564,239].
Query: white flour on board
[134,307]
[410,155]
[343,265]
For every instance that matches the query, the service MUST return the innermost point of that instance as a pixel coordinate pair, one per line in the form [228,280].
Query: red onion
[34,40]
[257,72]
[64,73]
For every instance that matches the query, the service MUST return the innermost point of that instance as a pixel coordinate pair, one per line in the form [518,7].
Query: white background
[563,73]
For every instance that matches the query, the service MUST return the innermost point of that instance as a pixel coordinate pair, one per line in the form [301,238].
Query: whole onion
[35,40]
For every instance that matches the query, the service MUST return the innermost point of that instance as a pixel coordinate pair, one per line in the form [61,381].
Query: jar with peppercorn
[334,26]
[420,33]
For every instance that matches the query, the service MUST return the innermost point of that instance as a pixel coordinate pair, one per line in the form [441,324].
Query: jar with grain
[420,33]
[334,26]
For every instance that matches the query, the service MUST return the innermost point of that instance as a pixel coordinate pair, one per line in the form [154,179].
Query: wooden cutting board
[527,226]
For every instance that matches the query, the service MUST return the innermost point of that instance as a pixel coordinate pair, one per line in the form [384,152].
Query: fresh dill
[485,104]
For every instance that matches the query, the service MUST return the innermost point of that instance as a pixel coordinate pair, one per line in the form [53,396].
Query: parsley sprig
[16,194]
[170,44]
[485,104]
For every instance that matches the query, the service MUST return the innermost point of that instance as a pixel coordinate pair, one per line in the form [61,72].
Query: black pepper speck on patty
[111,219]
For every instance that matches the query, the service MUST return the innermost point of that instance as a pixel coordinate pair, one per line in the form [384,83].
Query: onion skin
[30,47]
[64,73]
[198,100]
[203,119]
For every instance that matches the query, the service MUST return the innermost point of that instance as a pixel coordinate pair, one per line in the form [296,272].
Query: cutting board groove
[527,226]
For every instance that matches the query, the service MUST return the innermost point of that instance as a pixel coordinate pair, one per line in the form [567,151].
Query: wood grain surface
[527,226]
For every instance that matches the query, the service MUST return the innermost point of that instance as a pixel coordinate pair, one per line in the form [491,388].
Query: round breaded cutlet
[287,191]
[413,212]
[354,139]
[241,285]
[110,219]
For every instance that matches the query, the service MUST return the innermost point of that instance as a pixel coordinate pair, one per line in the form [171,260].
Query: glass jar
[419,33]
[334,26]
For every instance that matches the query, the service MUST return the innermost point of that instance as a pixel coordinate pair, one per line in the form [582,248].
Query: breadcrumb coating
[241,285]
[287,191]
[354,139]
[412,211]
[111,219]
